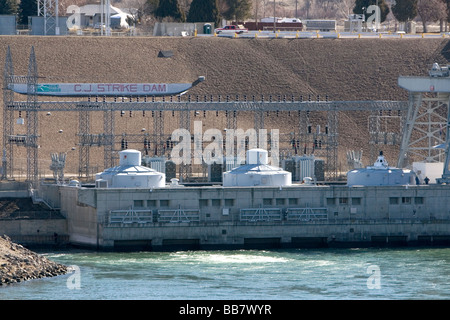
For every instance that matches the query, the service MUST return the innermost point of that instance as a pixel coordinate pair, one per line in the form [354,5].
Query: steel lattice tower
[427,120]
[108,143]
[32,121]
[185,170]
[8,118]
[30,108]
[85,142]
[49,10]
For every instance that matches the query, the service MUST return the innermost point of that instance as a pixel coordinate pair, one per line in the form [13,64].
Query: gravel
[19,264]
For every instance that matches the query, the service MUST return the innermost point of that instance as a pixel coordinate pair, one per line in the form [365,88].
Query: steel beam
[49,106]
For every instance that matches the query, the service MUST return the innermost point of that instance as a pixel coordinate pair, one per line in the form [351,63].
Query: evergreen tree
[8,7]
[405,10]
[170,8]
[204,11]
[27,8]
[361,6]
[238,10]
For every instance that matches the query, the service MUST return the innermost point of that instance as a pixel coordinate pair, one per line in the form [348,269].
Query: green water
[337,274]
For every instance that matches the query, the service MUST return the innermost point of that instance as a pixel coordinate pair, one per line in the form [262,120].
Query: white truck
[439,71]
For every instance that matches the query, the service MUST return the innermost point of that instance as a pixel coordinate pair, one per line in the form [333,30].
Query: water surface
[399,274]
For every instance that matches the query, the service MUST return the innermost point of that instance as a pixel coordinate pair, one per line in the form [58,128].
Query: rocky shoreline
[18,264]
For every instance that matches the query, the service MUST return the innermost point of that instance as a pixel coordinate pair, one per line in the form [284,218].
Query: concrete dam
[279,214]
[255,205]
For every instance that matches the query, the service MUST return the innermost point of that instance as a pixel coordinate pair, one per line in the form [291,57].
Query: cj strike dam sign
[105,89]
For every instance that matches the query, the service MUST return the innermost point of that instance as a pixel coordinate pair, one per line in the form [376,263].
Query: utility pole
[274,18]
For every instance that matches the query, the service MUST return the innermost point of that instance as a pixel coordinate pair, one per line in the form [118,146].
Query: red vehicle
[231,29]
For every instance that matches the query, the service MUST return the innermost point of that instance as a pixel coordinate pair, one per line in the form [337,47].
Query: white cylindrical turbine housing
[130,157]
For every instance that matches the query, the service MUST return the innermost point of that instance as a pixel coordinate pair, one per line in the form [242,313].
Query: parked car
[231,29]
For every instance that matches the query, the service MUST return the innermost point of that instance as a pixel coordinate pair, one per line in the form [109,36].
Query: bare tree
[185,4]
[64,4]
[431,11]
[344,8]
[137,9]
[308,4]
[222,6]
[326,9]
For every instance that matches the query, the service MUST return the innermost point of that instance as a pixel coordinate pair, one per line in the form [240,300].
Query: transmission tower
[8,118]
[32,120]
[49,10]
[427,124]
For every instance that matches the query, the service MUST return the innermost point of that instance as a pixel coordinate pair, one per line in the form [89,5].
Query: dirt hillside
[343,69]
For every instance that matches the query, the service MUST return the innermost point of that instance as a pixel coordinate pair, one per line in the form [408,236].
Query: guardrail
[264,215]
[332,35]
[282,34]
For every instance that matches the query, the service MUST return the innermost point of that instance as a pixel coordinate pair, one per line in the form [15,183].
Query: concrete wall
[37,27]
[36,232]
[215,198]
[410,202]
[176,29]
[33,227]
[81,218]
[31,231]
[8,25]
[50,194]
[353,214]
[13,189]
[283,235]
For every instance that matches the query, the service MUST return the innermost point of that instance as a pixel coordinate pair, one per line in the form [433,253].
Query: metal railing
[307,214]
[267,216]
[260,214]
[130,216]
[179,215]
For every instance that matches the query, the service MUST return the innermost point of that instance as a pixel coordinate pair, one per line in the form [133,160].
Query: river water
[325,274]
